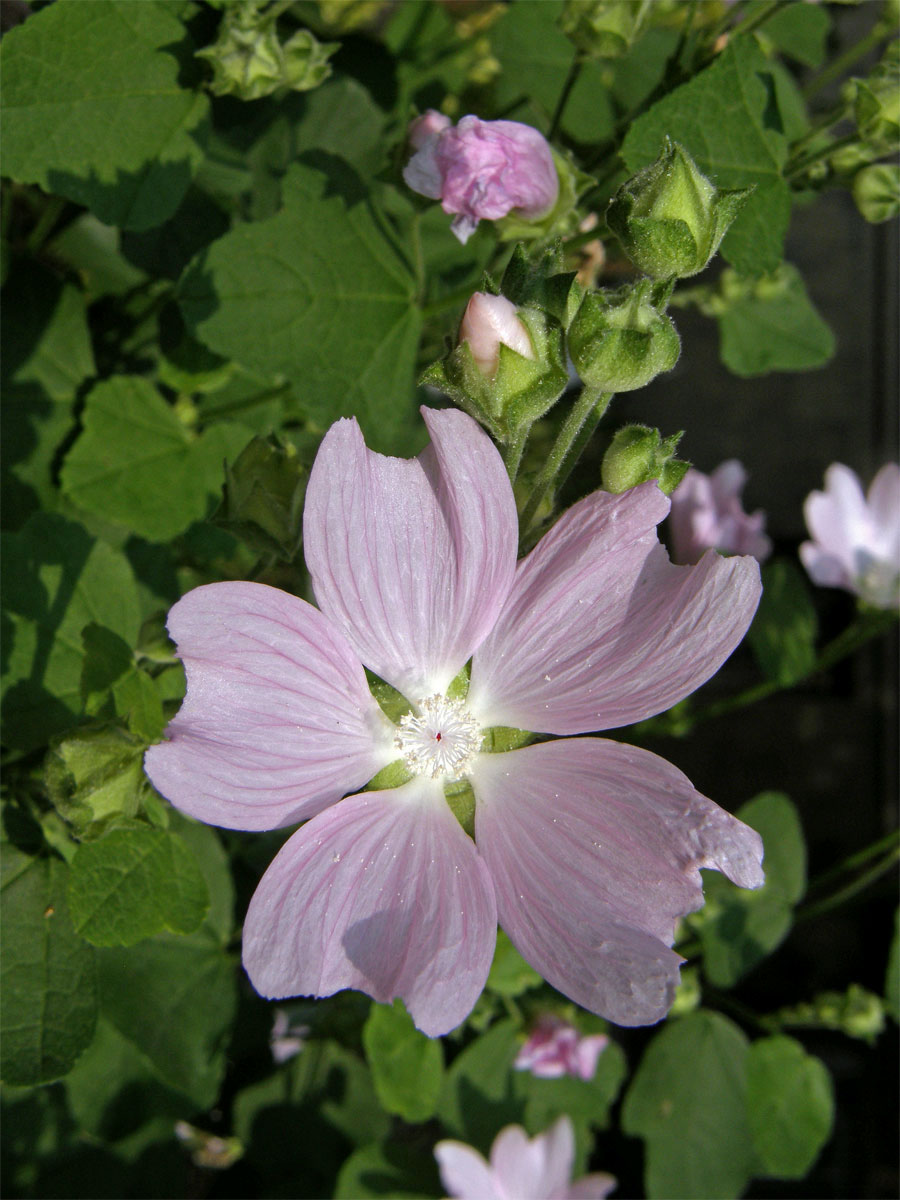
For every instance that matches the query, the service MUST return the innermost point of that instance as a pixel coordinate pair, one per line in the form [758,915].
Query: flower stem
[849,890]
[834,70]
[512,451]
[571,440]
[571,80]
[793,169]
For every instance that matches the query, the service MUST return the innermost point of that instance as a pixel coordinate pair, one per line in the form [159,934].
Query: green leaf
[94,775]
[57,579]
[407,1067]
[738,927]
[317,293]
[790,1106]
[536,56]
[688,1102]
[774,327]
[133,883]
[478,1096]
[206,847]
[46,356]
[394,1170]
[49,990]
[95,111]
[727,120]
[174,998]
[138,465]
[800,31]
[510,974]
[784,630]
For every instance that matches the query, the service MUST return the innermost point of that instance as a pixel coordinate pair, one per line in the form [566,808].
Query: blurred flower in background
[707,513]
[555,1048]
[856,538]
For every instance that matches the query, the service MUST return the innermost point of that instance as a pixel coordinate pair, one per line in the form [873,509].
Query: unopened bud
[489,322]
[638,454]
[670,218]
[877,103]
[262,501]
[876,190]
[619,340]
[604,28]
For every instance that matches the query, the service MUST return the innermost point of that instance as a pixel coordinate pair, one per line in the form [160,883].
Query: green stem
[571,80]
[855,860]
[46,221]
[832,117]
[842,895]
[762,14]
[236,406]
[570,441]
[793,169]
[834,70]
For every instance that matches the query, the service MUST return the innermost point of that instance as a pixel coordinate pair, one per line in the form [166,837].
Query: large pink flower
[481,169]
[521,1168]
[856,538]
[588,850]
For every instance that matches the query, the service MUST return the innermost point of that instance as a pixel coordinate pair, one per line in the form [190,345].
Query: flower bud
[619,340]
[670,218]
[262,501]
[508,366]
[482,170]
[876,191]
[249,61]
[489,322]
[604,28]
[638,454]
[876,105]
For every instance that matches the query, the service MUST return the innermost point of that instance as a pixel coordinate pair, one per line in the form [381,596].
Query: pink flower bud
[489,321]
[555,1048]
[707,513]
[428,125]
[482,169]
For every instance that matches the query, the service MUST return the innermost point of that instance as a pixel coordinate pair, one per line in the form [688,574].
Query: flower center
[441,741]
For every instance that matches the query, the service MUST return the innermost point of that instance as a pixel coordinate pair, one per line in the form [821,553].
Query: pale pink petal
[422,172]
[488,322]
[464,1173]
[594,848]
[277,722]
[427,126]
[536,1168]
[601,630]
[412,558]
[591,1187]
[383,892]
[884,506]
[586,1055]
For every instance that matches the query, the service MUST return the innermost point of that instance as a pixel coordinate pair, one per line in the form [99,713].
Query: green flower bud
[543,283]
[508,367]
[876,106]
[604,28]
[638,454]
[876,191]
[262,501]
[619,340]
[670,218]
[249,61]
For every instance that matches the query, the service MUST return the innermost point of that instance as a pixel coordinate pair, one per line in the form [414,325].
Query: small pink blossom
[555,1048]
[286,1040]
[521,1168]
[489,322]
[481,169]
[587,849]
[707,514]
[856,538]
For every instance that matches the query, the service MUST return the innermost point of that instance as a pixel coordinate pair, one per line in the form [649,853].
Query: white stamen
[442,741]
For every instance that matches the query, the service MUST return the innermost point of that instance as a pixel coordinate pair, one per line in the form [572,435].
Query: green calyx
[604,28]
[520,391]
[621,340]
[638,454]
[670,218]
[262,501]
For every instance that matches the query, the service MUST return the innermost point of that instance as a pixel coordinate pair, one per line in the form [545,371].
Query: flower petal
[383,892]
[277,722]
[537,1168]
[601,630]
[594,848]
[464,1173]
[412,558]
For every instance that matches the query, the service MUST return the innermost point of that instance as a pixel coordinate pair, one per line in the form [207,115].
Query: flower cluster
[588,850]
[555,1048]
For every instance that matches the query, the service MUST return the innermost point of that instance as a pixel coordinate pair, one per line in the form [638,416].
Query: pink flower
[555,1048]
[489,322]
[587,849]
[707,514]
[481,169]
[856,538]
[521,1168]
